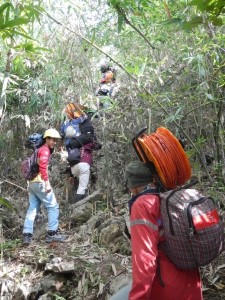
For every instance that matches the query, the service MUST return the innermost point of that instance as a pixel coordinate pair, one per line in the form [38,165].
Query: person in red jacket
[40,192]
[154,276]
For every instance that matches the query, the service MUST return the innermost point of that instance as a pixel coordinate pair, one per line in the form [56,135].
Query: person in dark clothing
[106,84]
[108,74]
[71,127]
[87,134]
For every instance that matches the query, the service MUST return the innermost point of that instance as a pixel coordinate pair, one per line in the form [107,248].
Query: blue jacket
[70,128]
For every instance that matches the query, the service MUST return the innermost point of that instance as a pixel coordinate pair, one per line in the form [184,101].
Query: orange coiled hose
[166,153]
[73,110]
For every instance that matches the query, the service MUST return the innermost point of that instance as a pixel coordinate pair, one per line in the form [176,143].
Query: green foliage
[10,245]
[24,271]
[179,81]
[14,26]
[13,17]
[31,48]
[212,11]
[213,7]
[6,203]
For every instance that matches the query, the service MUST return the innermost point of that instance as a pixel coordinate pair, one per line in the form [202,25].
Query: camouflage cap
[137,173]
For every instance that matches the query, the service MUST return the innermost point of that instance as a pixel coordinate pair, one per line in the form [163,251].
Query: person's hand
[71,180]
[63,155]
[48,187]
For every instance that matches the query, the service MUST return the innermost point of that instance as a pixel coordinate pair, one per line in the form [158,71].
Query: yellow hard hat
[52,133]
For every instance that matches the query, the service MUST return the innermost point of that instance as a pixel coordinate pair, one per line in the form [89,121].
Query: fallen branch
[9,182]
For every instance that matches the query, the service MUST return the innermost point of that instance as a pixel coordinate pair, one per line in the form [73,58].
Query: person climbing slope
[107,82]
[40,192]
[87,133]
[108,74]
[81,170]
[70,128]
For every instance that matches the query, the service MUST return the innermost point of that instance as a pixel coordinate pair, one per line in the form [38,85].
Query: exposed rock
[81,214]
[82,211]
[60,267]
[7,289]
[111,235]
[97,196]
[52,283]
[44,297]
[36,290]
[22,291]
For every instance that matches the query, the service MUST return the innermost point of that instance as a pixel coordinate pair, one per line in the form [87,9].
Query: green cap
[137,173]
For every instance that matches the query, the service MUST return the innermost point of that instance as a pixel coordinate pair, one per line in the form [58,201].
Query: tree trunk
[5,84]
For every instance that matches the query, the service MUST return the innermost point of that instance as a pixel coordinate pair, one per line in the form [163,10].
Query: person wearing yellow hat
[154,276]
[40,192]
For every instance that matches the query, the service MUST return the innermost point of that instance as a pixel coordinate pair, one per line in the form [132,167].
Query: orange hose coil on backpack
[73,110]
[169,158]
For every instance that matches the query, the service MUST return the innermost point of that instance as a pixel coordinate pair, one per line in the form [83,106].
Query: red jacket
[145,237]
[43,160]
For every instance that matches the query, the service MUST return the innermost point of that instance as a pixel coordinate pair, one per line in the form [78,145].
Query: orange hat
[73,111]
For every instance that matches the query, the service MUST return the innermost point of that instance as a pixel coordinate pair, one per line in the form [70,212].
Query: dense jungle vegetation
[170,71]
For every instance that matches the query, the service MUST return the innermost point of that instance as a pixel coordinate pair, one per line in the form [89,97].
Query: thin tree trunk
[5,85]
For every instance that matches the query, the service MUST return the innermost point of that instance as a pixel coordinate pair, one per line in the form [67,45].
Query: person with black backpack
[154,276]
[70,128]
[108,74]
[106,85]
[87,133]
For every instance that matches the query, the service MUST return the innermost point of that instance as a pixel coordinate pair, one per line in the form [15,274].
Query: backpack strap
[36,160]
[158,273]
[151,191]
[147,190]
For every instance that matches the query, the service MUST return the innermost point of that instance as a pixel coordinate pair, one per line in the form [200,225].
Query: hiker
[81,170]
[108,74]
[40,192]
[87,134]
[70,128]
[106,84]
[78,131]
[154,276]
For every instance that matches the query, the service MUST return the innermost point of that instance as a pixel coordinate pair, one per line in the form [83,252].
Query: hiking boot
[27,238]
[55,236]
[79,197]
